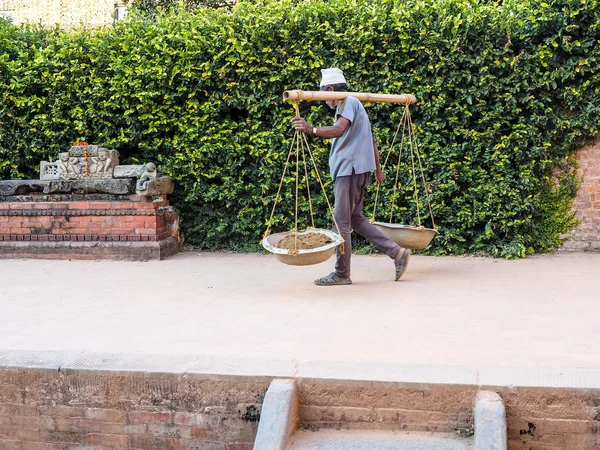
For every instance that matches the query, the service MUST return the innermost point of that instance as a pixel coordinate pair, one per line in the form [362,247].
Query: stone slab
[131,171]
[114,250]
[279,416]
[490,422]
[108,186]
[21,187]
[46,359]
[375,440]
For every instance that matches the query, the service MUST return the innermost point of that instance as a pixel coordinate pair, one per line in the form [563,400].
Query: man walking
[352,158]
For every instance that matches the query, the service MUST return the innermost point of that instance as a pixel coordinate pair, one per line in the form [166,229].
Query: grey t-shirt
[354,149]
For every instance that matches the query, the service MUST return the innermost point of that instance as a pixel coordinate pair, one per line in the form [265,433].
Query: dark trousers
[349,197]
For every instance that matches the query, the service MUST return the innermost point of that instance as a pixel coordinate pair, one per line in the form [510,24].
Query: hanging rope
[384,166]
[324,193]
[300,143]
[312,217]
[406,122]
[269,223]
[425,185]
[398,167]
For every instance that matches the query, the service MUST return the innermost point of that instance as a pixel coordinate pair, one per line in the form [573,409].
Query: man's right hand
[302,125]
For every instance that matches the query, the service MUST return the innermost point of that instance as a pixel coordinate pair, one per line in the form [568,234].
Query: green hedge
[153,7]
[507,91]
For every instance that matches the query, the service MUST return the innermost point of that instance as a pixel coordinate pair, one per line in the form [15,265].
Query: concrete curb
[490,422]
[279,416]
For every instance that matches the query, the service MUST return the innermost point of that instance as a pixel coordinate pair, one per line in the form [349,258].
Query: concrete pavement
[462,320]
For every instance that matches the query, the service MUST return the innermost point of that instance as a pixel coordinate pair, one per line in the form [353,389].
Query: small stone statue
[74,167]
[148,176]
[101,164]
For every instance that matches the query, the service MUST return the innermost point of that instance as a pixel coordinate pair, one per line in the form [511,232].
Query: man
[352,158]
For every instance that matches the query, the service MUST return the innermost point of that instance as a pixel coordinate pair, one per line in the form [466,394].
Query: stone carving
[160,186]
[81,162]
[146,177]
[48,170]
[91,169]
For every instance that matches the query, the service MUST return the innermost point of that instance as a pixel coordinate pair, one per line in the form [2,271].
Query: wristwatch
[315,131]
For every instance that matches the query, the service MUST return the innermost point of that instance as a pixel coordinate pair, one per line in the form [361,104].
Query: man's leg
[362,226]
[342,211]
[343,191]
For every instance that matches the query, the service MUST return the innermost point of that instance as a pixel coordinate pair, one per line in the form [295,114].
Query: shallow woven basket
[304,257]
[408,236]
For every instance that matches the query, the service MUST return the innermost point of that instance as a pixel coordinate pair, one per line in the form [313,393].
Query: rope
[295,251]
[324,192]
[412,139]
[383,168]
[404,121]
[268,230]
[412,159]
[425,185]
[312,217]
[300,143]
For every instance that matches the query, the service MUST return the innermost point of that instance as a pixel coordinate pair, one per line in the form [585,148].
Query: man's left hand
[301,125]
[379,176]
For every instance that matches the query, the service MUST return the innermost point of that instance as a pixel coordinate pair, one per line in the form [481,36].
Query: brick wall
[84,221]
[68,13]
[53,409]
[136,228]
[537,418]
[47,410]
[586,236]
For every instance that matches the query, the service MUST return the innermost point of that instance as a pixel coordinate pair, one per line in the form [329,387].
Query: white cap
[332,76]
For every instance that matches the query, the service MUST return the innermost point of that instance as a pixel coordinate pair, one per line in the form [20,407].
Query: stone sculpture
[94,169]
[146,177]
[81,162]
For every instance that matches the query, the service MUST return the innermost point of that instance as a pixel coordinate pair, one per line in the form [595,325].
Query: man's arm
[379,175]
[335,131]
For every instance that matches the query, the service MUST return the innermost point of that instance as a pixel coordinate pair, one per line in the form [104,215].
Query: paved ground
[452,319]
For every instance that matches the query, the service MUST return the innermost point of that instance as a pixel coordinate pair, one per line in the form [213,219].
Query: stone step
[376,440]
[279,429]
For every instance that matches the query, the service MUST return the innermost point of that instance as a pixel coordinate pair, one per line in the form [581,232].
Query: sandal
[402,263]
[333,280]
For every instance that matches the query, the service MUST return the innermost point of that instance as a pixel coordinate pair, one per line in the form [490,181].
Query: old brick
[41,446]
[21,410]
[33,422]
[240,446]
[152,442]
[149,417]
[108,440]
[192,419]
[76,424]
[10,444]
[117,428]
[68,437]
[170,430]
[61,411]
[202,445]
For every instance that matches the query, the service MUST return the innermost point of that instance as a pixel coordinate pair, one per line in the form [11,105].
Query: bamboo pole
[297,95]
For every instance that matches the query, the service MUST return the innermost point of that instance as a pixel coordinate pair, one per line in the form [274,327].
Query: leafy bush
[507,92]
[151,7]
